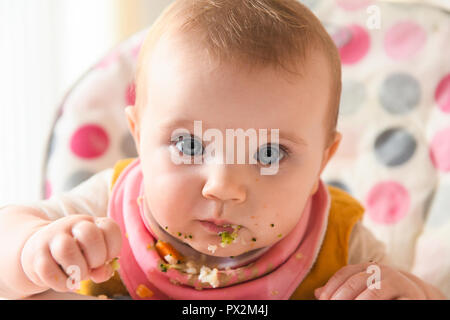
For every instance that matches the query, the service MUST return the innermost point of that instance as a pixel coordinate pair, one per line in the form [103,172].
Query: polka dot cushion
[90,131]
[395,120]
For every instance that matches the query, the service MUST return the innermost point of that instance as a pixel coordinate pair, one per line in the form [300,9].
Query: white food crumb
[212,248]
[170,259]
[190,268]
[209,276]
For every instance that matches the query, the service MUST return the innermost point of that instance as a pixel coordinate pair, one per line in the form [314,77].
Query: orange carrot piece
[143,292]
[165,248]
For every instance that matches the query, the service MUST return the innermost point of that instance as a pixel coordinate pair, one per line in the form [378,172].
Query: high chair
[395,120]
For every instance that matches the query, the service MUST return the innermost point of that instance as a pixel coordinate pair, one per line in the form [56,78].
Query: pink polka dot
[387,202]
[130,94]
[440,150]
[404,39]
[89,141]
[357,45]
[351,5]
[442,94]
[110,59]
[48,189]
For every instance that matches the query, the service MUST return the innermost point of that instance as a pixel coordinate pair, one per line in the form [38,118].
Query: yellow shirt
[344,212]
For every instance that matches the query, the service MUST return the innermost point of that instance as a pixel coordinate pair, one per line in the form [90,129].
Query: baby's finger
[50,273]
[102,273]
[318,292]
[338,279]
[92,243]
[382,292]
[352,287]
[112,236]
[65,251]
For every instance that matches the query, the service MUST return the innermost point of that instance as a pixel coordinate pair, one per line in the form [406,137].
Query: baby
[185,224]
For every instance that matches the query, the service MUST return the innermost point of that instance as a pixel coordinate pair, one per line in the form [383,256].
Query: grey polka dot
[440,207]
[352,98]
[399,93]
[394,147]
[339,184]
[128,146]
[76,178]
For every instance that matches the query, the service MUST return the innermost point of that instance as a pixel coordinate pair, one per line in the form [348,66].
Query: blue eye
[189,145]
[270,154]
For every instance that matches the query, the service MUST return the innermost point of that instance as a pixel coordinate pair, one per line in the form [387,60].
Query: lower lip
[215,228]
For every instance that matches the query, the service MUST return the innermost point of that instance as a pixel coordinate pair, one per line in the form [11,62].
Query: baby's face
[182,88]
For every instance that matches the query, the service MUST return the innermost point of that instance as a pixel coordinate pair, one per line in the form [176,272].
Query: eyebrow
[190,123]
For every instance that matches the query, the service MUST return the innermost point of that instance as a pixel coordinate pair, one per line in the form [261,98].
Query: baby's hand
[82,241]
[351,282]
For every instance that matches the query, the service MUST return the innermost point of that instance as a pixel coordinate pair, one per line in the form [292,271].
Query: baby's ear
[327,155]
[331,150]
[334,146]
[133,124]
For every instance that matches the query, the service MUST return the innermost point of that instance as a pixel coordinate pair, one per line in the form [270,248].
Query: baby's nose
[225,182]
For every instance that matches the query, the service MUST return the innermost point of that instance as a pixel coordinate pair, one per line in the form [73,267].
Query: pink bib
[274,275]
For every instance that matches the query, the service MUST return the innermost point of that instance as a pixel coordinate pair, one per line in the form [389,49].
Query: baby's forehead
[230,111]
[180,73]
[179,57]
[190,49]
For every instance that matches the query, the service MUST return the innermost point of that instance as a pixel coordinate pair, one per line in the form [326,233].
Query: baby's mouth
[214,228]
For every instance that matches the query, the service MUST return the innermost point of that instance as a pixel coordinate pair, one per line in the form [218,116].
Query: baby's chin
[232,250]
[214,249]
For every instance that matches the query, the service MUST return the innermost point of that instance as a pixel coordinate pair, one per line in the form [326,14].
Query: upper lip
[218,222]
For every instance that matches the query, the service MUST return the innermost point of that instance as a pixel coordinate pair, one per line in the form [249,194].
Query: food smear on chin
[227,238]
[212,248]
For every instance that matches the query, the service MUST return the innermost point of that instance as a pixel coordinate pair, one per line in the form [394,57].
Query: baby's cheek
[273,227]
[161,204]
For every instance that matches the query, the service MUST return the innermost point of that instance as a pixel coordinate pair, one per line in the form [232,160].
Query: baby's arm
[351,281]
[32,234]
[90,197]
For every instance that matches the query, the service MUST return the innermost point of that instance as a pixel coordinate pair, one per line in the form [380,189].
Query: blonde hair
[254,33]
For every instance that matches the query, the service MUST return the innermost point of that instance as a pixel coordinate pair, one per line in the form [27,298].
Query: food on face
[163,267]
[115,264]
[209,276]
[206,274]
[170,259]
[190,268]
[227,238]
[169,253]
[212,248]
